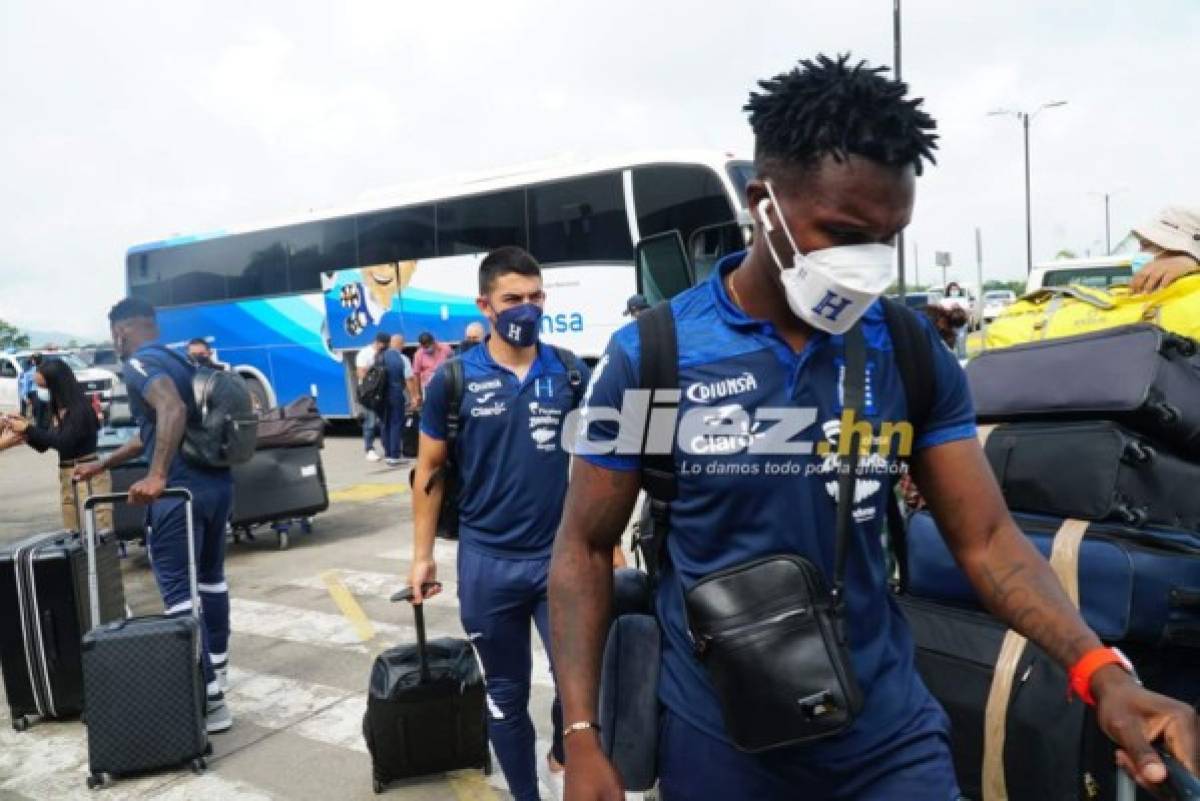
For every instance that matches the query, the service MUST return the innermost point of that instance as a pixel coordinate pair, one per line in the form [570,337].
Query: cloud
[129,121]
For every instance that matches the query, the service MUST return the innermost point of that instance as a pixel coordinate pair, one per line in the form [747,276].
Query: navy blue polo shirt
[511,461]
[735,505]
[147,365]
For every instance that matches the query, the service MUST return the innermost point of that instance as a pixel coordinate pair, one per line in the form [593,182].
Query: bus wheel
[258,393]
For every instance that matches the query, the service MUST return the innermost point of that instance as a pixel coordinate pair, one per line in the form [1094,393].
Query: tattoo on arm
[1026,594]
[170,416]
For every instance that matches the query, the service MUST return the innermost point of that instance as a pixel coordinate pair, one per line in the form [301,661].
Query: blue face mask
[518,326]
[1140,260]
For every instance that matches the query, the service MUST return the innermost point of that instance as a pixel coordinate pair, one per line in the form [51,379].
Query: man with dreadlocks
[838,146]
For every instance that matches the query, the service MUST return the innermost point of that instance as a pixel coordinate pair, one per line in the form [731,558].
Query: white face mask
[830,289]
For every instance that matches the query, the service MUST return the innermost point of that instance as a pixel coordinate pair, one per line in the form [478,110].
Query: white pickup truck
[93,380]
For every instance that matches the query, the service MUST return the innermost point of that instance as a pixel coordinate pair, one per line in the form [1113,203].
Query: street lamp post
[1025,117]
[1107,220]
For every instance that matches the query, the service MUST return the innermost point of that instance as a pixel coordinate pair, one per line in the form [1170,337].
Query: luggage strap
[1064,561]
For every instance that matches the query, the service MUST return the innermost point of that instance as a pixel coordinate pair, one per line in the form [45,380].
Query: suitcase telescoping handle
[89,508]
[406,594]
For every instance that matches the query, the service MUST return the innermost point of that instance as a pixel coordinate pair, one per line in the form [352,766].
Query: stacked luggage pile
[1095,442]
[283,484]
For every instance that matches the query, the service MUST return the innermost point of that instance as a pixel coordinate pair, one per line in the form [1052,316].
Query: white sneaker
[222,678]
[372,456]
[392,462]
[218,719]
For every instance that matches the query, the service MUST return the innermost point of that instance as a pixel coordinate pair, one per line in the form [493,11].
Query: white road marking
[327,630]
[377,585]
[339,725]
[444,552]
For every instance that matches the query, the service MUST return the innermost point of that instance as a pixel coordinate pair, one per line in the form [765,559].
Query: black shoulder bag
[771,633]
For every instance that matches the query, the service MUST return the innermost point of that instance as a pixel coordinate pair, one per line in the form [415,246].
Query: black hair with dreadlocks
[830,106]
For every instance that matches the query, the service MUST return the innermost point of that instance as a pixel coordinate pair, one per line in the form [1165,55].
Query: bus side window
[481,223]
[663,270]
[678,197]
[580,219]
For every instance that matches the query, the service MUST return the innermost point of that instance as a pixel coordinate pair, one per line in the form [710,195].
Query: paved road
[300,659]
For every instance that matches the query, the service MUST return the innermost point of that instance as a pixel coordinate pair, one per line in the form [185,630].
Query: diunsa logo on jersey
[724,388]
[480,386]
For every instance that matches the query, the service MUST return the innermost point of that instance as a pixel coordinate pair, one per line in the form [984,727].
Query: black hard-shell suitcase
[44,611]
[1138,375]
[426,710]
[278,484]
[1053,749]
[129,522]
[412,435]
[1094,470]
[144,683]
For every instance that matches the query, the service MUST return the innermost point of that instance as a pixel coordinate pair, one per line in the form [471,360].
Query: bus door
[667,267]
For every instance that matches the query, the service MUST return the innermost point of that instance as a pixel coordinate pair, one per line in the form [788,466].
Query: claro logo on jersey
[724,388]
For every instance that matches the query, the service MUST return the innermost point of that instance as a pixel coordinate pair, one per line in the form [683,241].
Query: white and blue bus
[288,305]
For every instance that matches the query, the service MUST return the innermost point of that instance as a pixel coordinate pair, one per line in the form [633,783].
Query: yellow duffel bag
[1064,311]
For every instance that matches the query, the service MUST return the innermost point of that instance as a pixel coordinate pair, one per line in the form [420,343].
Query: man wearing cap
[1170,249]
[636,305]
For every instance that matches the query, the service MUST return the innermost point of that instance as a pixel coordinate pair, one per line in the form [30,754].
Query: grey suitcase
[142,680]
[1140,376]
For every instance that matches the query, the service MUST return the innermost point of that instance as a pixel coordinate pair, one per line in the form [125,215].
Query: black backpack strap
[570,363]
[455,384]
[914,360]
[854,391]
[659,373]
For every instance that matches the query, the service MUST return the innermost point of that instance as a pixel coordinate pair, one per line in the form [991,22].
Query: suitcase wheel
[378,786]
[98,781]
[306,525]
[20,723]
[199,765]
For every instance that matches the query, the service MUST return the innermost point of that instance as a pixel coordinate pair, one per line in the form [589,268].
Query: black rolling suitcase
[44,611]
[129,522]
[1138,375]
[279,484]
[426,711]
[1052,750]
[143,681]
[1094,470]
[412,436]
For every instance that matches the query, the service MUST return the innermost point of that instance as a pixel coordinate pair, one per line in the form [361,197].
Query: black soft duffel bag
[1093,470]
[1141,376]
[299,423]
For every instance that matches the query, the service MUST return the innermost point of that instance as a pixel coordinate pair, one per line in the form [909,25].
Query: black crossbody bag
[771,633]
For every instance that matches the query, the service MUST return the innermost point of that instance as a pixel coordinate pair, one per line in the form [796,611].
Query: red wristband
[1080,675]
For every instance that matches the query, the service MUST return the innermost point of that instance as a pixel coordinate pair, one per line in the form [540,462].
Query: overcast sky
[127,121]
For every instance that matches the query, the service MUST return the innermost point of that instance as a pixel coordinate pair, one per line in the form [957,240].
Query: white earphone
[762,214]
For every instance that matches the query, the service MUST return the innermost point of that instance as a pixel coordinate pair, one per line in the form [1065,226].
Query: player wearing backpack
[162,398]
[495,414]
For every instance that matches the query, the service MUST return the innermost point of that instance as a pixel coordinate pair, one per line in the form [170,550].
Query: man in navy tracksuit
[160,396]
[762,345]
[513,471]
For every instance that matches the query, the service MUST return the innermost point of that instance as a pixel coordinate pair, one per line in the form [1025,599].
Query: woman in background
[72,433]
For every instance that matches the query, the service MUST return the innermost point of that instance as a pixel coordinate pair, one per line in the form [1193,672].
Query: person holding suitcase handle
[760,556]
[161,397]
[514,394]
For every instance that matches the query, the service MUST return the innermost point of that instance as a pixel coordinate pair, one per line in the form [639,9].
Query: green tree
[11,336]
